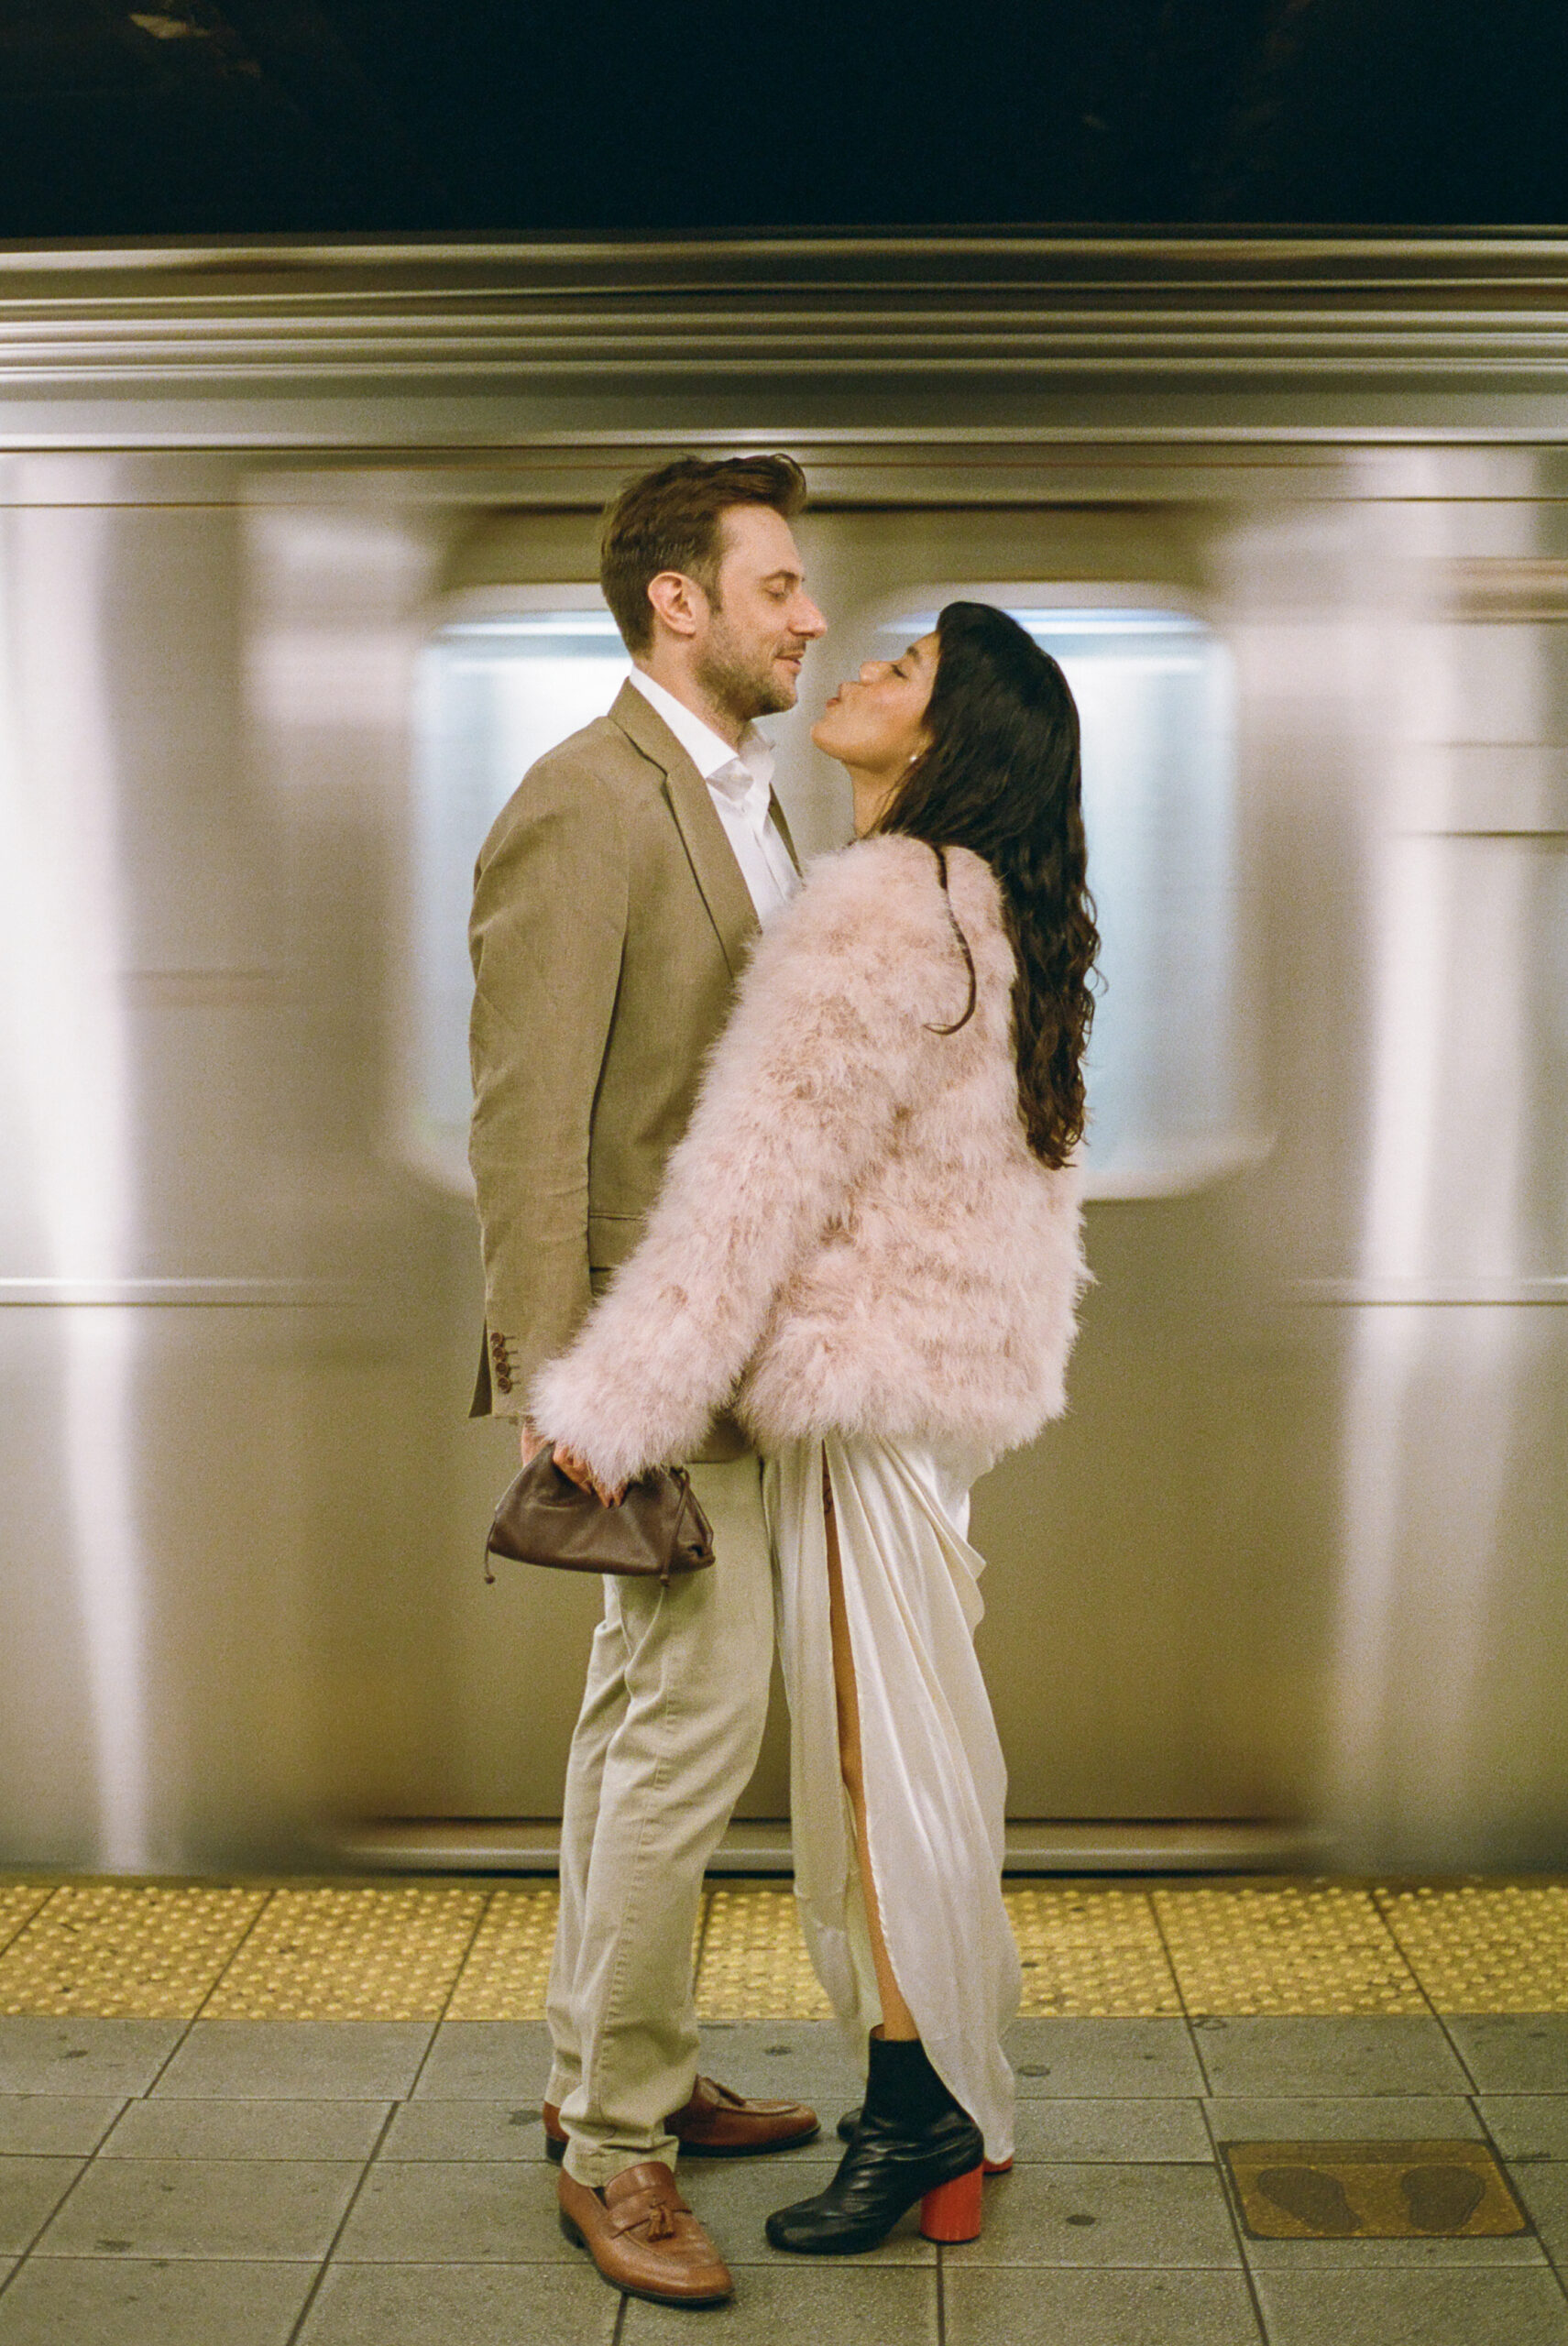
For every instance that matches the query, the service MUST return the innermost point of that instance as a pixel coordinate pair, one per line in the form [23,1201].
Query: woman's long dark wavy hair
[1002,777]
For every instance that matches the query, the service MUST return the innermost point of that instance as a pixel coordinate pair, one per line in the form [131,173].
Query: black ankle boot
[912,2139]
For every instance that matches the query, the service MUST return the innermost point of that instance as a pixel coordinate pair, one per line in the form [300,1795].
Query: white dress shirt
[740,784]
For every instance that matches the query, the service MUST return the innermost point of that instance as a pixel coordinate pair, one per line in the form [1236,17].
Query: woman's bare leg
[897,2021]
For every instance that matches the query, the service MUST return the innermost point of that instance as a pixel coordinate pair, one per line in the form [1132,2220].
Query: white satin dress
[936,1782]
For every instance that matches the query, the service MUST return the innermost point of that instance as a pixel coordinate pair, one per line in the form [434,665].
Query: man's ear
[679,601]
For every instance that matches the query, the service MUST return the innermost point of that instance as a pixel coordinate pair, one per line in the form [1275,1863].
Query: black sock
[901,2084]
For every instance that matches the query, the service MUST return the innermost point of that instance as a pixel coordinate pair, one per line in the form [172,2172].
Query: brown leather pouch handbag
[545,1519]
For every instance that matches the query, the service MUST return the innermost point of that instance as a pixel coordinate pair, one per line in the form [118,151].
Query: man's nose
[807,619]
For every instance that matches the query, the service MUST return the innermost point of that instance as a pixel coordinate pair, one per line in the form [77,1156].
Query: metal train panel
[1298,1555]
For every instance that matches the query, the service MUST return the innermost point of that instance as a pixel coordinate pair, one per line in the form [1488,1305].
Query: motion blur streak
[1296,1559]
[1456,1210]
[61,928]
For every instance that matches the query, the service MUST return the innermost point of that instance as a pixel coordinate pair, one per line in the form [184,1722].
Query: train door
[1147,1663]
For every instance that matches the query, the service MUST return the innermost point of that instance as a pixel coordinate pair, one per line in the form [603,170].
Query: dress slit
[935,1779]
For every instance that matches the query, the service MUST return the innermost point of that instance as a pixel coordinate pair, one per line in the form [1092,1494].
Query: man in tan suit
[615,902]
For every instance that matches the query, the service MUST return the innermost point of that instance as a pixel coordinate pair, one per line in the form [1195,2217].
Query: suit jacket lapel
[778,816]
[712,859]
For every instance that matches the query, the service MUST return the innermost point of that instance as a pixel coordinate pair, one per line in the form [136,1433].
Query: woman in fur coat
[867,1246]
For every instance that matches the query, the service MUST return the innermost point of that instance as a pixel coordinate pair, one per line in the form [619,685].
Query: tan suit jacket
[610,925]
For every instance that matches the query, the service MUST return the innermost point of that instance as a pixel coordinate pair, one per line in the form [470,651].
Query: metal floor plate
[1372,2191]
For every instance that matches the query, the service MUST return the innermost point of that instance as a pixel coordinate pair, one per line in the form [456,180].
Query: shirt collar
[739,775]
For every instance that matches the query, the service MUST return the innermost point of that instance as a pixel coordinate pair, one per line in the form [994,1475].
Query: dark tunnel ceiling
[290,116]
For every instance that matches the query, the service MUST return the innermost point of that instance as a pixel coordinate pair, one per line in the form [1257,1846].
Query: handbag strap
[683,1481]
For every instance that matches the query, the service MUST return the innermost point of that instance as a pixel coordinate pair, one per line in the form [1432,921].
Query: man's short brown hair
[670,520]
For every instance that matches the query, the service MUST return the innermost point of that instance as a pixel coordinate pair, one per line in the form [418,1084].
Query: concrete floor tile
[30,2191]
[1393,2308]
[97,2301]
[60,2124]
[258,2209]
[1527,2125]
[296,2060]
[169,2127]
[1106,2309]
[801,2059]
[466,2130]
[1544,2191]
[831,2305]
[1402,2256]
[460,2304]
[1349,2117]
[1102,2128]
[733,2198]
[1103,2215]
[1514,2052]
[1116,2058]
[476,2060]
[85,2057]
[456,2211]
[1284,2059]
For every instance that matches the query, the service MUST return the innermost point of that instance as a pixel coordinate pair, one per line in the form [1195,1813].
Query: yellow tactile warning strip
[117,1952]
[350,1954]
[506,1972]
[19,1902]
[753,1964]
[1090,1954]
[1306,1950]
[508,1966]
[1372,2191]
[1486,1948]
[477,1951]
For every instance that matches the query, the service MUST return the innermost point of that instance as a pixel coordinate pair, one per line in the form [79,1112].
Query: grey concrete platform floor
[366,2184]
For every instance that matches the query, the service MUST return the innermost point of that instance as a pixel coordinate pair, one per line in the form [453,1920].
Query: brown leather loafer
[718,2124]
[643,2237]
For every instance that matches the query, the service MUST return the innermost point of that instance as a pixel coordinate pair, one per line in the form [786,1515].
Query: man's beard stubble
[743,690]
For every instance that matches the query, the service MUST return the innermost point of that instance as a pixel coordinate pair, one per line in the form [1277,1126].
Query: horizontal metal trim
[1436,1294]
[532,1845]
[1253,304]
[353,453]
[698,355]
[292,1293]
[1285,331]
[1521,236]
[1533,242]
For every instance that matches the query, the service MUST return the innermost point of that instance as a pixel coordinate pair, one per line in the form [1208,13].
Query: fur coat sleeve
[803,1092]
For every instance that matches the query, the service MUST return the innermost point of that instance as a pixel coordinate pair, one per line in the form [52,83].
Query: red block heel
[952,2212]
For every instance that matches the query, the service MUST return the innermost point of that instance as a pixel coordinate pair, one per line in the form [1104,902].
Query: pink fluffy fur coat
[854,1234]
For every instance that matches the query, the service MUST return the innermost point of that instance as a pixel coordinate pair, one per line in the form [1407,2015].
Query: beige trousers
[669,1732]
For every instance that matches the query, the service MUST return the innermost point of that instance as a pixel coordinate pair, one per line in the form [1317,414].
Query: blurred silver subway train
[297,551]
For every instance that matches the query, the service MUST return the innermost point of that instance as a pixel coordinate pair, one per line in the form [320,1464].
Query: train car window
[493,692]
[1156,693]
[497,688]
